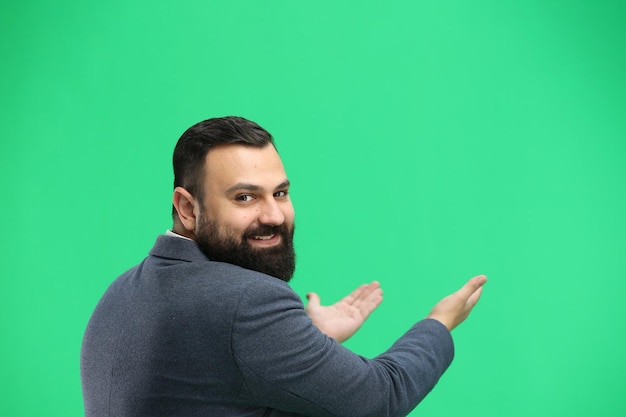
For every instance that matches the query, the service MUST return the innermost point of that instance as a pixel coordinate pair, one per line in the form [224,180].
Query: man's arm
[287,363]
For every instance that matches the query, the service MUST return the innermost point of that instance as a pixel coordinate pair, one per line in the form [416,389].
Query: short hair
[193,146]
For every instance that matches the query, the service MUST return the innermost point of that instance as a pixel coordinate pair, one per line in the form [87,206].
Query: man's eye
[280,194]
[244,197]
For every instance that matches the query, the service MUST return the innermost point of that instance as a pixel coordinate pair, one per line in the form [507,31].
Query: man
[206,325]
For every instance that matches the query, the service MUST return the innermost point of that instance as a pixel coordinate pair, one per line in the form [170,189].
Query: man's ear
[186,206]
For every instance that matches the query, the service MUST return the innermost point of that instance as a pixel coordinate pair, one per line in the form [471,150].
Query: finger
[471,302]
[373,293]
[371,304]
[472,286]
[314,300]
[367,290]
[372,298]
[355,296]
[369,297]
[374,286]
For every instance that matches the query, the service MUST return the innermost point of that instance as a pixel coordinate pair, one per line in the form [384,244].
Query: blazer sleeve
[288,364]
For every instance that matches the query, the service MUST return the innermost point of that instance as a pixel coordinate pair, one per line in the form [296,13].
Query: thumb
[314,300]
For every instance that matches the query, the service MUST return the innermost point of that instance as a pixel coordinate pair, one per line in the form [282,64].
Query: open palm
[342,319]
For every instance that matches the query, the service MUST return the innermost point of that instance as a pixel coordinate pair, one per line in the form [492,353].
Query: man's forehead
[228,165]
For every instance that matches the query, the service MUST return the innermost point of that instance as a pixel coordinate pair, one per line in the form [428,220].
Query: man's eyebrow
[244,186]
[283,184]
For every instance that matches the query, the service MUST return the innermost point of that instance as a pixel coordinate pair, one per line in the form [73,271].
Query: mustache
[264,230]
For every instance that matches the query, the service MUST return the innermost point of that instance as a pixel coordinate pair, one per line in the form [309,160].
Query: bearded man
[207,325]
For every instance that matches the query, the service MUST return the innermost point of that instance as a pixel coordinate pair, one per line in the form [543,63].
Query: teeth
[264,237]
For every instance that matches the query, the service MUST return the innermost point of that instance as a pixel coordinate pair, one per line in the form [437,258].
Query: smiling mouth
[263,237]
[265,240]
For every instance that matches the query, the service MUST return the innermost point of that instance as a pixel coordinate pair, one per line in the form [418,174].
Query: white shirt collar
[170,233]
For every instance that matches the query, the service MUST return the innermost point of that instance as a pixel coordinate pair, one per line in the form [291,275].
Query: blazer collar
[172,247]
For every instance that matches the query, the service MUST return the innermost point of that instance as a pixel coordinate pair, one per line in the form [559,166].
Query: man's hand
[453,309]
[343,319]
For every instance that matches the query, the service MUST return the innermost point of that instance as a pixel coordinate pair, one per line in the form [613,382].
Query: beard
[278,261]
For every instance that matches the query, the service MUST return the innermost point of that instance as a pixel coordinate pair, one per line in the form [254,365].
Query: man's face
[246,215]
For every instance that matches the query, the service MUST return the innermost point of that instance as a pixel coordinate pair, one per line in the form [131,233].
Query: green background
[426,142]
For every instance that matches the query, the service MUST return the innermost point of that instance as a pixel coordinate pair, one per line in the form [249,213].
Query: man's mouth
[268,237]
[265,240]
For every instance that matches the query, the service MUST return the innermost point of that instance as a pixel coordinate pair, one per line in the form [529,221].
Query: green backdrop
[426,142]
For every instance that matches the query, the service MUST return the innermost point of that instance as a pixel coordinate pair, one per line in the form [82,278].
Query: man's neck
[181,231]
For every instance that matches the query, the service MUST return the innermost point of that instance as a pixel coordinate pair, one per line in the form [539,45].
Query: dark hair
[192,147]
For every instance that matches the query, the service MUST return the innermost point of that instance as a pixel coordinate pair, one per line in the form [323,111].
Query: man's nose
[271,213]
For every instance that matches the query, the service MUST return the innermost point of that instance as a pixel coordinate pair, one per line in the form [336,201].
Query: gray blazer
[180,335]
